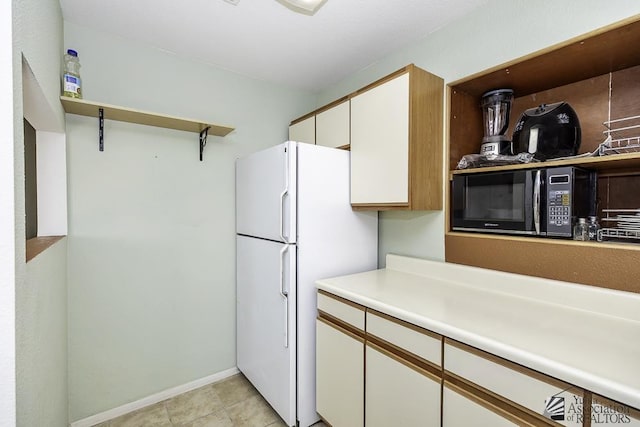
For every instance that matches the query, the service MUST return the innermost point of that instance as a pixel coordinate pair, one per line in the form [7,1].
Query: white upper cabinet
[397,142]
[380,144]
[393,128]
[303,131]
[332,126]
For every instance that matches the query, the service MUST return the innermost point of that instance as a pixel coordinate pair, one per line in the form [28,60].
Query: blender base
[496,147]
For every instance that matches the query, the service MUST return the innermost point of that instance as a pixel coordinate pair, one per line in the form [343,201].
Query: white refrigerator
[294,225]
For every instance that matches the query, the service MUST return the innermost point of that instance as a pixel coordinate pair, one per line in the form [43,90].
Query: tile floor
[233,402]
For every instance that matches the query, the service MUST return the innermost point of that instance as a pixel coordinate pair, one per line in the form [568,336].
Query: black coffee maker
[548,131]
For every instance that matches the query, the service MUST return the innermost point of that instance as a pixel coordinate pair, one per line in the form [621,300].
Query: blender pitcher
[496,106]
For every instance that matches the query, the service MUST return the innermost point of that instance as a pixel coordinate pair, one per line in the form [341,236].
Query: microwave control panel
[559,204]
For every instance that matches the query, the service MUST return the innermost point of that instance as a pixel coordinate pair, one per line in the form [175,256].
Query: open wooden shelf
[601,163]
[123,114]
[598,74]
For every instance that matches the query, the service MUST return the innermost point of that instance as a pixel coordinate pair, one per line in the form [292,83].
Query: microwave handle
[536,202]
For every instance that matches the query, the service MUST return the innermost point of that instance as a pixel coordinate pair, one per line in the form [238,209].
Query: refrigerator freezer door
[266,321]
[266,193]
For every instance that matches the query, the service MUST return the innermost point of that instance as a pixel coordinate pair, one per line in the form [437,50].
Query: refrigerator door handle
[284,193]
[282,197]
[284,293]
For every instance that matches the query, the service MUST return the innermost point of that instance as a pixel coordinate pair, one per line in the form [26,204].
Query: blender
[496,105]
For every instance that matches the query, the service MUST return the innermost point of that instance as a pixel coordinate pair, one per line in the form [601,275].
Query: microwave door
[496,202]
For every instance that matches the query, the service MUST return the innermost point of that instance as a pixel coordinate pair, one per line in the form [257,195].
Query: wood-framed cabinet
[327,126]
[393,128]
[396,142]
[375,370]
[598,75]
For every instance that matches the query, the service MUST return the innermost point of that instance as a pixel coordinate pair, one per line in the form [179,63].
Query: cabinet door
[304,131]
[398,393]
[332,126]
[380,144]
[339,376]
[461,411]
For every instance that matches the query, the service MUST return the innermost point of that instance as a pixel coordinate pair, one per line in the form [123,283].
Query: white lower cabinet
[375,370]
[461,411]
[398,393]
[339,375]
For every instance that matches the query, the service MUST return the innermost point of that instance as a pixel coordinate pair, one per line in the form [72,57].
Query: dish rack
[625,224]
[623,136]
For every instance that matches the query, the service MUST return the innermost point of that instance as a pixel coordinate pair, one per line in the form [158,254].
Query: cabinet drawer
[420,342]
[344,310]
[460,409]
[517,384]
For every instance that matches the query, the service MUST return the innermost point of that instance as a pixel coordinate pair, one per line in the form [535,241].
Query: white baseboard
[154,398]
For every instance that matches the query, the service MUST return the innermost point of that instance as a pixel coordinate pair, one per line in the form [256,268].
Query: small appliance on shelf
[496,107]
[548,131]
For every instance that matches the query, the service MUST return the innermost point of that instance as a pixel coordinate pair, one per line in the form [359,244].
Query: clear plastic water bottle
[581,230]
[593,228]
[72,85]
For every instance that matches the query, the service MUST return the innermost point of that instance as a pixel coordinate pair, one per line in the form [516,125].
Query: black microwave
[535,202]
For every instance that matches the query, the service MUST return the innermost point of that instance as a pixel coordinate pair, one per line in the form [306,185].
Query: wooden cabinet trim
[515,367]
[383,80]
[426,140]
[348,97]
[341,326]
[401,355]
[405,324]
[342,300]
[494,403]
[379,206]
[320,110]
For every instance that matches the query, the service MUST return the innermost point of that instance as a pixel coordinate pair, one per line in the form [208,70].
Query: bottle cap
[72,52]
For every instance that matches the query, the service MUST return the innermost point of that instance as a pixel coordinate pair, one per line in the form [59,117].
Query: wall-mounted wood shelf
[123,114]
[130,115]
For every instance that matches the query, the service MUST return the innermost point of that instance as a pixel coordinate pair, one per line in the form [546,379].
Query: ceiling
[265,40]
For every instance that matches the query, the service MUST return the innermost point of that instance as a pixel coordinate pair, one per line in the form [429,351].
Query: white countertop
[586,336]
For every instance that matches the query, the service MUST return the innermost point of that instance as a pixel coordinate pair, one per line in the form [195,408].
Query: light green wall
[41,340]
[40,286]
[498,32]
[151,228]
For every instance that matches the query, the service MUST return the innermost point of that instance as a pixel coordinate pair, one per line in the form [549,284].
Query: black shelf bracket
[101,129]
[203,140]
